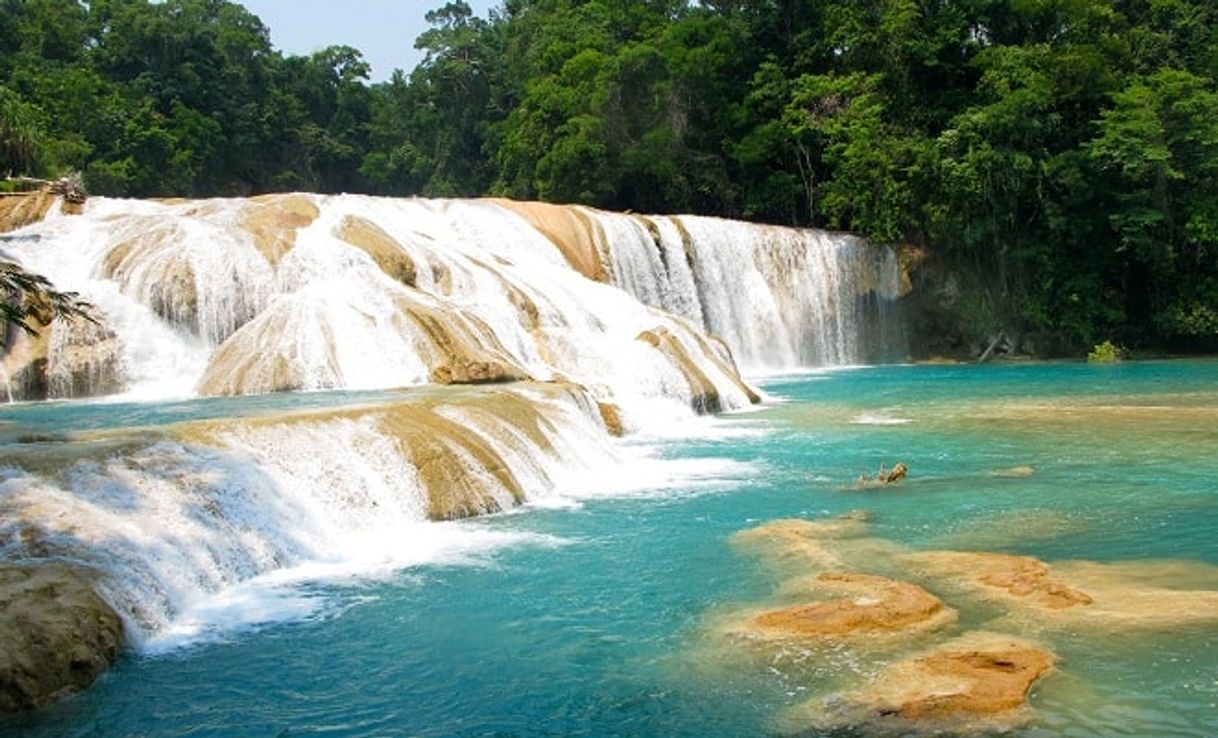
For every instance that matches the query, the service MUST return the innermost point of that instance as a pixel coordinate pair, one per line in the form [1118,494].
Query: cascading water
[781,298]
[303,292]
[173,517]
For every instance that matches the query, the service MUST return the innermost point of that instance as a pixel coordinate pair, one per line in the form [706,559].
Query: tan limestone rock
[56,634]
[576,236]
[273,221]
[383,248]
[612,416]
[20,210]
[1011,578]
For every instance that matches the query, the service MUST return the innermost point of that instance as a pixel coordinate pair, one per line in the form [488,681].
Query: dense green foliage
[1064,152]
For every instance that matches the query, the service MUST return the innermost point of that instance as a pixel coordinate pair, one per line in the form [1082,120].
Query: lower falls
[476,354]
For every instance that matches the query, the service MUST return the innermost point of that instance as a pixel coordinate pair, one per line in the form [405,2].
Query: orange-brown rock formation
[1133,595]
[979,682]
[868,605]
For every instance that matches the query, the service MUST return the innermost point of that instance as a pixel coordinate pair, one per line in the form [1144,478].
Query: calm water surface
[606,630]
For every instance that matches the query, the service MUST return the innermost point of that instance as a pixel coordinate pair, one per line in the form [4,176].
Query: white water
[197,307]
[192,537]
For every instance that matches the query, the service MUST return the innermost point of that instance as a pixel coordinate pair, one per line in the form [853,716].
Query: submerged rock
[1014,472]
[840,543]
[1021,578]
[1082,594]
[56,635]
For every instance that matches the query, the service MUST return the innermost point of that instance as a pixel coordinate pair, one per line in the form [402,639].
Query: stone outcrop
[381,247]
[22,209]
[144,259]
[705,397]
[67,358]
[56,634]
[612,416]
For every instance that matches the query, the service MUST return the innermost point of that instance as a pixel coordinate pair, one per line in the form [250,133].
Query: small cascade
[303,292]
[83,360]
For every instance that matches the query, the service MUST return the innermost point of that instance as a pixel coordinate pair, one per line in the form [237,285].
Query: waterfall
[571,324]
[781,298]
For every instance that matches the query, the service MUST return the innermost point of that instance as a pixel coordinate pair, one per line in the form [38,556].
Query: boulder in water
[866,605]
[884,476]
[56,634]
[977,683]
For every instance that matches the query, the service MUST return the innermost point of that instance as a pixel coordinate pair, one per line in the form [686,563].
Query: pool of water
[605,625]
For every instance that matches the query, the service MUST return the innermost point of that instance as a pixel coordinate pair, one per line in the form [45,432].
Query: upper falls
[306,292]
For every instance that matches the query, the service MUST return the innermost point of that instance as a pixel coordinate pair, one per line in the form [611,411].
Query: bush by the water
[1105,353]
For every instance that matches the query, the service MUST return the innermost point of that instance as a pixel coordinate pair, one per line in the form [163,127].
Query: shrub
[1105,353]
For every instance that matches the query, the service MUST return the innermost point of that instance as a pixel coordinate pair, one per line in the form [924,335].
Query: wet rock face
[56,635]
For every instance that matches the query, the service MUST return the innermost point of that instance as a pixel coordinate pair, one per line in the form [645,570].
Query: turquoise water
[609,629]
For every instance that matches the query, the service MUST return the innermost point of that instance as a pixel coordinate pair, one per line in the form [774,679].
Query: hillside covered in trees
[1062,152]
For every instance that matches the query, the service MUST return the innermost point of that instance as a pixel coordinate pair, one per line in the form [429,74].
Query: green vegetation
[1065,151]
[1105,353]
[33,301]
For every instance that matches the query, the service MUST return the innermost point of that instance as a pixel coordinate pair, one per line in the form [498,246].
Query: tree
[20,135]
[32,300]
[1158,149]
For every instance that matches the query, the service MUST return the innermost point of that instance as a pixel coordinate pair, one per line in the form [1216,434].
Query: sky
[384,30]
